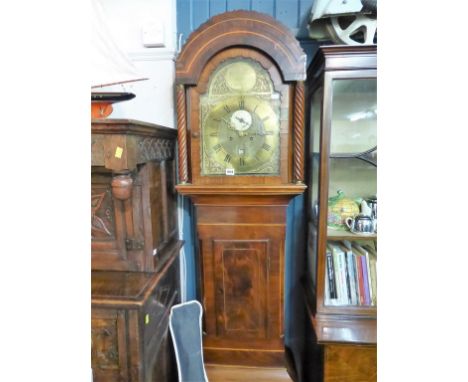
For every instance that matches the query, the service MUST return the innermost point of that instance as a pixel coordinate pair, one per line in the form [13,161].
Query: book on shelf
[364,262]
[351,272]
[373,271]
[330,283]
[343,281]
[332,280]
[337,271]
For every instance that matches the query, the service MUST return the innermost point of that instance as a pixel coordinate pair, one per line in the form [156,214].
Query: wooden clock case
[241,220]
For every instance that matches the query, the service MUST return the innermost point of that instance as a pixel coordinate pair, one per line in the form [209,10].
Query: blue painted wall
[294,14]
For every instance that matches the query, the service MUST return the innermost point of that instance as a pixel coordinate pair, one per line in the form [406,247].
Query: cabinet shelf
[346,235]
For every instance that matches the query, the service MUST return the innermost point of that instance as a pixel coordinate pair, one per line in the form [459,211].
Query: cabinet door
[241,289]
[242,285]
[108,346]
[117,240]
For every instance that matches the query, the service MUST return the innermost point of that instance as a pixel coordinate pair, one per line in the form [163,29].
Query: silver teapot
[361,224]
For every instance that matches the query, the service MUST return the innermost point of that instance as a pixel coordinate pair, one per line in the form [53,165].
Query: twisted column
[298,133]
[182,134]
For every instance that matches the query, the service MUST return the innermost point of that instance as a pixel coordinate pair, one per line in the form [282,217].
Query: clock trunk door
[241,277]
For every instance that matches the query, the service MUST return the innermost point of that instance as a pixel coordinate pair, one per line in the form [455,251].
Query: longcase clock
[240,106]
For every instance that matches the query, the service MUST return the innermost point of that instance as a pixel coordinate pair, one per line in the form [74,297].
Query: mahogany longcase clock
[240,106]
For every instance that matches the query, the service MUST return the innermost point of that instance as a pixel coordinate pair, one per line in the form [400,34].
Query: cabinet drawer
[109,350]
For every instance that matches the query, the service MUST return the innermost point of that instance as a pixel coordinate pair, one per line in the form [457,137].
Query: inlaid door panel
[242,285]
[241,290]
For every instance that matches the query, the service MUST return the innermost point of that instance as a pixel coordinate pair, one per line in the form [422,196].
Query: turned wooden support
[182,134]
[298,132]
[122,185]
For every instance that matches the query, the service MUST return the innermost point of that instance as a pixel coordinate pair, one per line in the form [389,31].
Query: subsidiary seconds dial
[242,133]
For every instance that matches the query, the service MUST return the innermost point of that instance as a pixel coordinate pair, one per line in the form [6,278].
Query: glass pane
[315,123]
[314,155]
[354,116]
[351,255]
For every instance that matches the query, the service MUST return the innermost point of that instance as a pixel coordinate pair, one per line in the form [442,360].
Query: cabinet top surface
[122,285]
[128,126]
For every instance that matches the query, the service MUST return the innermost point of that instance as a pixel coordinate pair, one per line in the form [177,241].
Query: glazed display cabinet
[341,280]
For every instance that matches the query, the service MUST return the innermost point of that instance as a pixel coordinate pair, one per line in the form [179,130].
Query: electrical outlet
[152,34]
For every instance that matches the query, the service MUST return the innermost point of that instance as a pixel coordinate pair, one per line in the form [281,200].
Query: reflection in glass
[357,179]
[354,116]
[315,122]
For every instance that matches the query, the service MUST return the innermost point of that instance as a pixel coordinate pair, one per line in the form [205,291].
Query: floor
[221,373]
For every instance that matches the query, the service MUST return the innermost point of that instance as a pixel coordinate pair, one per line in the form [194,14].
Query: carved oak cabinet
[134,204]
[134,250]
[240,114]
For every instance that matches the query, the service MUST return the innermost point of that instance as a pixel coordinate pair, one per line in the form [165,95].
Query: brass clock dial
[240,121]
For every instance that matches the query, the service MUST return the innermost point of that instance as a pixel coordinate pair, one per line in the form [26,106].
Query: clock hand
[242,120]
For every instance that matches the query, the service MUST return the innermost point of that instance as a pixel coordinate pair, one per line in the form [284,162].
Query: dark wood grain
[350,363]
[134,213]
[129,323]
[222,373]
[254,30]
[243,279]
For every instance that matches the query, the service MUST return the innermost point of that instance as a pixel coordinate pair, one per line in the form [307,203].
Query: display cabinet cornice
[341,280]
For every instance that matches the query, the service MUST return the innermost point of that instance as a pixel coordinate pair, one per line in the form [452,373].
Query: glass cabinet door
[351,256]
[314,166]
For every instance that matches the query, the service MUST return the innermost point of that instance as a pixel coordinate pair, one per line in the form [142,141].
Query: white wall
[127,19]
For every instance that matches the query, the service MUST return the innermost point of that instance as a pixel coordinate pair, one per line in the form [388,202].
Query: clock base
[244,357]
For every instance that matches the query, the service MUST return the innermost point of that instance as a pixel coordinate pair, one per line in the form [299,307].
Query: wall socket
[152,34]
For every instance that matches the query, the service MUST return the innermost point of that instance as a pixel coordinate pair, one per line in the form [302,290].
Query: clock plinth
[240,105]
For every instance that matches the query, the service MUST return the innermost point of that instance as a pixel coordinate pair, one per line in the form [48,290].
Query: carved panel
[102,213]
[151,148]
[241,288]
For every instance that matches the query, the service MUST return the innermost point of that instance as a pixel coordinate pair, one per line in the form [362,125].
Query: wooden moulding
[286,189]
[121,144]
[246,28]
[333,58]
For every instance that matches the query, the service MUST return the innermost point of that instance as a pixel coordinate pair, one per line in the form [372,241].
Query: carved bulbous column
[122,185]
